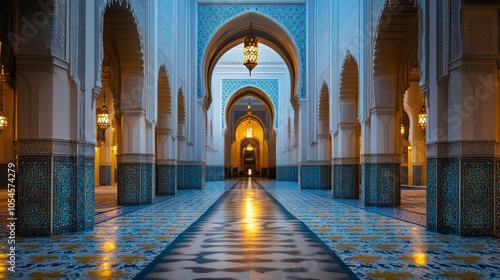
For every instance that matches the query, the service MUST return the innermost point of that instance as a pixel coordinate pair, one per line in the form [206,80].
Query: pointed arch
[324,110]
[181,112]
[164,92]
[268,31]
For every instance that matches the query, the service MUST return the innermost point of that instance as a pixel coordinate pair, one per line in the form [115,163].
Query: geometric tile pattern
[246,235]
[55,194]
[345,181]
[117,248]
[215,173]
[135,183]
[270,87]
[375,246]
[448,195]
[288,173]
[166,179]
[318,177]
[291,16]
[382,184]
[431,194]
[191,177]
[417,175]
[476,196]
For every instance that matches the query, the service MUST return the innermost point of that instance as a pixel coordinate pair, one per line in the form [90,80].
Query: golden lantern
[422,116]
[249,147]
[250,51]
[402,129]
[103,117]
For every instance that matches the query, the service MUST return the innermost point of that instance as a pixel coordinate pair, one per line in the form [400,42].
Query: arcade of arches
[334,104]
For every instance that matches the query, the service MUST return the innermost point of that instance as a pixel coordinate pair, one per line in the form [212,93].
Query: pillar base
[166,178]
[315,176]
[463,188]
[135,179]
[381,175]
[55,187]
[214,173]
[345,178]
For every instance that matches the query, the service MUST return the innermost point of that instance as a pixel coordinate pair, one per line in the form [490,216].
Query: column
[166,166]
[345,167]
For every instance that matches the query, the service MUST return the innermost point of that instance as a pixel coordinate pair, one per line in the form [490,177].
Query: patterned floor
[247,235]
[381,247]
[373,246]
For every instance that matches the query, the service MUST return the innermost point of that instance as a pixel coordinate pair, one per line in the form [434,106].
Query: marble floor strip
[247,235]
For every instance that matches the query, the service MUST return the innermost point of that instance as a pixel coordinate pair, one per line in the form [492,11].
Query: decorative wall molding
[136,158]
[384,95]
[346,161]
[48,146]
[467,148]
[166,162]
[381,158]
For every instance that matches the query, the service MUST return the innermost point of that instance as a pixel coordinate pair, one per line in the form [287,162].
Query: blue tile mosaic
[166,179]
[269,86]
[477,196]
[192,177]
[214,173]
[89,191]
[135,183]
[34,199]
[345,181]
[448,182]
[292,16]
[383,187]
[317,177]
[64,194]
[431,194]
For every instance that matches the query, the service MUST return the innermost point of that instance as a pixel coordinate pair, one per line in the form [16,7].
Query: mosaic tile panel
[497,197]
[417,175]
[34,201]
[291,16]
[431,194]
[64,191]
[448,195]
[383,188]
[346,181]
[281,173]
[215,173]
[476,195]
[147,185]
[166,180]
[192,177]
[104,175]
[269,86]
[180,177]
[315,177]
[404,175]
[129,184]
[89,193]
[81,192]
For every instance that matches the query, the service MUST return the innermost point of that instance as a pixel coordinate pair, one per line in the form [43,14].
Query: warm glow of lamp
[402,129]
[249,147]
[250,51]
[422,117]
[3,121]
[103,117]
[249,133]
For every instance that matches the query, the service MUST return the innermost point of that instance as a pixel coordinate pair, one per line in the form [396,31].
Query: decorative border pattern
[135,158]
[346,161]
[291,16]
[381,158]
[49,146]
[270,87]
[463,148]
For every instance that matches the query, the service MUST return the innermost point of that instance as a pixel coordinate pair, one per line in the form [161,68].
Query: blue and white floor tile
[380,247]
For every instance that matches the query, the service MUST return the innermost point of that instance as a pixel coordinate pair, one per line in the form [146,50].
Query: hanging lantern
[3,122]
[402,129]
[103,117]
[249,147]
[422,117]
[250,51]
[249,133]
